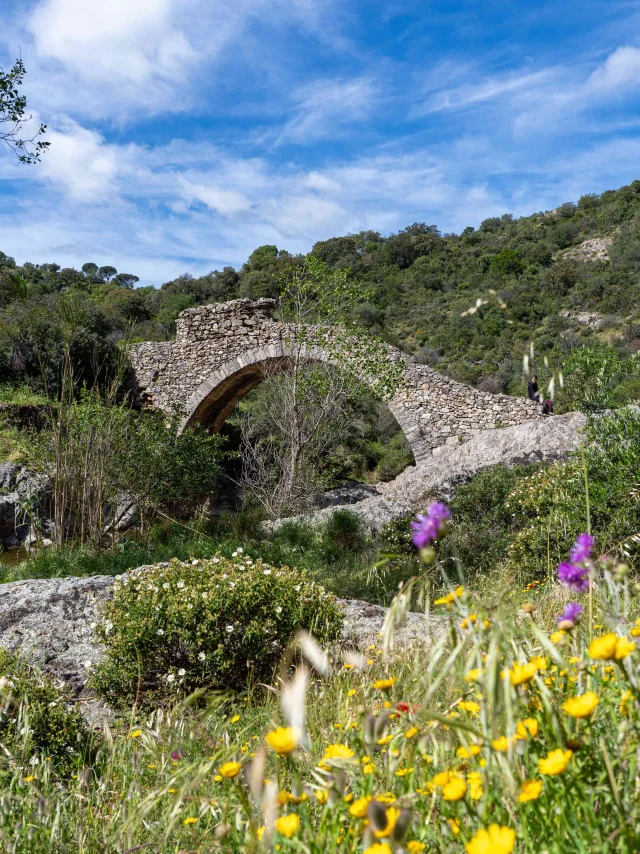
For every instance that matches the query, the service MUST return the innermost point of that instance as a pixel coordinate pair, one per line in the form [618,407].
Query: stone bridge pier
[222,351]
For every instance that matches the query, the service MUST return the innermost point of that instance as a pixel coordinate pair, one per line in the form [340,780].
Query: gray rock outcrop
[439,475]
[22,505]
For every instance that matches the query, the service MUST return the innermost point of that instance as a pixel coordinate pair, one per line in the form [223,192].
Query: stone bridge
[222,351]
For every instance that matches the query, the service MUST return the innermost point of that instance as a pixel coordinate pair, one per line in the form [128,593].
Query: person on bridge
[532,389]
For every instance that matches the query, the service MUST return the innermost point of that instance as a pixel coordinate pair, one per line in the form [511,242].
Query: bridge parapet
[220,353]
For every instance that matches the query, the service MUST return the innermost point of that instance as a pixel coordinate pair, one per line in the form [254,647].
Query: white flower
[266,572]
[204,594]
[229,629]
[170,677]
[278,610]
[234,554]
[201,656]
[298,586]
[86,664]
[93,625]
[160,632]
[165,586]
[232,584]
[215,560]
[181,672]
[180,584]
[194,562]
[240,550]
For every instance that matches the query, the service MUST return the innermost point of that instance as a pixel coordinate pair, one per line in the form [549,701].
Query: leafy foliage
[175,628]
[13,107]
[39,722]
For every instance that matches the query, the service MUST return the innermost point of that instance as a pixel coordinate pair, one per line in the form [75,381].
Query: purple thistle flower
[571,612]
[426,528]
[177,754]
[575,577]
[582,548]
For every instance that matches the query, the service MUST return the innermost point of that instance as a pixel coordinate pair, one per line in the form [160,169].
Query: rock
[50,622]
[439,475]
[348,493]
[19,489]
[592,249]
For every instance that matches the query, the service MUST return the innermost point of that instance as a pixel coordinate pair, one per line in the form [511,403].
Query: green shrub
[174,628]
[38,721]
[344,531]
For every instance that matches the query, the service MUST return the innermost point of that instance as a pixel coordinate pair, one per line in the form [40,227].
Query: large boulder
[23,500]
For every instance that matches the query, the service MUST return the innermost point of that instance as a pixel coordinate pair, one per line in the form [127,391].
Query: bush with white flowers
[177,627]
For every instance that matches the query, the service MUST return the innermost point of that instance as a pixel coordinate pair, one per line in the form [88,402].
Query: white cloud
[129,41]
[226,202]
[620,70]
[492,88]
[81,164]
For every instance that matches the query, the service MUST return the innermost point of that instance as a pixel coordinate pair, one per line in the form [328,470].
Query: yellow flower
[501,744]
[539,661]
[624,647]
[287,825]
[450,598]
[378,848]
[260,832]
[454,825]
[582,706]
[555,762]
[322,796]
[283,740]
[558,636]
[384,684]
[402,772]
[527,727]
[230,769]
[469,706]
[635,632]
[454,790]
[368,768]
[468,621]
[393,813]
[625,703]
[190,820]
[522,673]
[136,733]
[413,730]
[335,751]
[351,692]
[530,790]
[493,840]
[442,778]
[473,675]
[603,648]
[385,739]
[415,847]
[217,778]
[348,666]
[29,778]
[468,752]
[474,780]
[235,719]
[358,809]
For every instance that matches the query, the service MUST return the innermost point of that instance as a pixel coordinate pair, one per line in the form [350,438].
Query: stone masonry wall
[219,352]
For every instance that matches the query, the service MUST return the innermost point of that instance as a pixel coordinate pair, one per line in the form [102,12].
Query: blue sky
[184,133]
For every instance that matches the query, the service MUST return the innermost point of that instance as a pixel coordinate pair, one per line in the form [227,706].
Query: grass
[20,394]
[409,775]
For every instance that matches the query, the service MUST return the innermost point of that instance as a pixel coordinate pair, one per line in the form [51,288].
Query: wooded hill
[533,276]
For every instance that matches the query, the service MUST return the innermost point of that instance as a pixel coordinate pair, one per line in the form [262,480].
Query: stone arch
[215,398]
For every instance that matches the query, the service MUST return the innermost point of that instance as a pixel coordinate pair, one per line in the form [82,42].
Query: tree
[13,116]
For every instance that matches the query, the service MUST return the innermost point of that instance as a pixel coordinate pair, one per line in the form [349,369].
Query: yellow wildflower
[358,809]
[454,790]
[604,647]
[283,740]
[539,661]
[385,739]
[625,703]
[322,795]
[582,706]
[558,637]
[522,673]
[287,825]
[474,781]
[415,847]
[413,730]
[369,768]
[469,706]
[624,647]
[136,733]
[393,814]
[527,727]
[29,778]
[556,762]
[351,692]
[384,684]
[190,820]
[230,769]
[450,598]
[473,675]
[348,666]
[335,751]
[501,744]
[235,719]
[468,752]
[378,848]
[442,778]
[402,772]
[468,621]
[454,825]
[493,840]
[530,790]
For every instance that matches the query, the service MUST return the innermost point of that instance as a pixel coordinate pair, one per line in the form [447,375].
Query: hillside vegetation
[531,275]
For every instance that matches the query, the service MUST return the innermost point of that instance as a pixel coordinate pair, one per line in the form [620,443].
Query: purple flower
[574,577]
[582,548]
[426,528]
[177,754]
[571,612]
